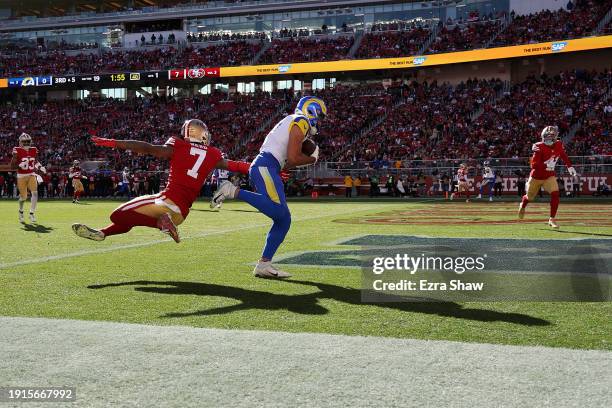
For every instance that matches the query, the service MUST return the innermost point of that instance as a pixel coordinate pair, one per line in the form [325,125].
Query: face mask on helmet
[550,135]
[196,131]
[314,109]
[25,140]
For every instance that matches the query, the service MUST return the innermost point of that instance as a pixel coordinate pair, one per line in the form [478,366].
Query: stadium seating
[482,120]
[427,124]
[476,119]
[61,129]
[31,62]
[550,25]
[461,37]
[392,39]
[388,44]
[314,48]
[594,138]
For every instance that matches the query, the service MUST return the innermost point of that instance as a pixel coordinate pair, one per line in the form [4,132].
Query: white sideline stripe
[118,364]
[151,243]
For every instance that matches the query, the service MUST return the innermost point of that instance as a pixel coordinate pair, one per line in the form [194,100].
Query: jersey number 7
[201,154]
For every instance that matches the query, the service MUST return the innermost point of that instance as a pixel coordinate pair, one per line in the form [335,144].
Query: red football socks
[125,220]
[554,203]
[524,201]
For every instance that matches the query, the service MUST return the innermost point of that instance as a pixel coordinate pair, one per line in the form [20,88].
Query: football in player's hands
[308,147]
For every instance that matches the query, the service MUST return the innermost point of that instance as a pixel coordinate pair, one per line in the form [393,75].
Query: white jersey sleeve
[277,140]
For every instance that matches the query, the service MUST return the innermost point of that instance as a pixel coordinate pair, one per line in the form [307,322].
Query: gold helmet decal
[195,131]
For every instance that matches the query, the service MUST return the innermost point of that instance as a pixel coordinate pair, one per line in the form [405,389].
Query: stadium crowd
[61,130]
[392,39]
[415,121]
[462,37]
[314,48]
[550,25]
[389,44]
[224,36]
[30,62]
[427,124]
[437,121]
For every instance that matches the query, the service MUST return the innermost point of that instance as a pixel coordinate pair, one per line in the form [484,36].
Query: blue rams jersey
[488,173]
[277,140]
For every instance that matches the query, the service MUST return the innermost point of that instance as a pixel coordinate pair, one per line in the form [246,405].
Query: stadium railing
[601,164]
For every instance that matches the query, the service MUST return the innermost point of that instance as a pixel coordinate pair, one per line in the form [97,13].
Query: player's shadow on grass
[41,229]
[309,303]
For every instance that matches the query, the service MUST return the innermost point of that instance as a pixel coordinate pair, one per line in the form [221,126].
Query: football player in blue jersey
[488,178]
[282,149]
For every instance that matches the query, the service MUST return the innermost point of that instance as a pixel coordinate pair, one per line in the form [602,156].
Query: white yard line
[117,364]
[161,241]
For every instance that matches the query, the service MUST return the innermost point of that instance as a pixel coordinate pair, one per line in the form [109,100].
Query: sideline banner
[525,50]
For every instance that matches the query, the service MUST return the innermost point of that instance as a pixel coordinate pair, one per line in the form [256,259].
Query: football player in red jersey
[543,162]
[25,162]
[463,184]
[75,174]
[192,160]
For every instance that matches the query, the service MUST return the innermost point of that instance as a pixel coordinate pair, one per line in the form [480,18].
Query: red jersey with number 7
[544,159]
[26,159]
[190,166]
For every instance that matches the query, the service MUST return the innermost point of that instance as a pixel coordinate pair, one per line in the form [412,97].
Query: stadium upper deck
[392,39]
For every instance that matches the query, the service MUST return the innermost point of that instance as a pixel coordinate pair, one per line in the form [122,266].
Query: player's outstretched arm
[295,157]
[568,163]
[234,166]
[161,151]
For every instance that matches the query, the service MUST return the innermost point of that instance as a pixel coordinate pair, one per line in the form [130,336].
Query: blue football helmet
[314,109]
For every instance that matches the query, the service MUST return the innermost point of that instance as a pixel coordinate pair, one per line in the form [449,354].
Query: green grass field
[206,281]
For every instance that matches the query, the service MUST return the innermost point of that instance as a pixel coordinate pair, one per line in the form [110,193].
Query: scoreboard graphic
[30,81]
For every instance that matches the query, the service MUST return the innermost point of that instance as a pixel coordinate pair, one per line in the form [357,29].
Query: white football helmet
[25,140]
[196,131]
[550,135]
[75,163]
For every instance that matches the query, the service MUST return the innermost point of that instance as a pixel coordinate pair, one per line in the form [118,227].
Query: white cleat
[226,190]
[479,196]
[490,198]
[84,231]
[553,223]
[266,270]
[32,218]
[21,219]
